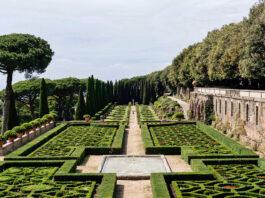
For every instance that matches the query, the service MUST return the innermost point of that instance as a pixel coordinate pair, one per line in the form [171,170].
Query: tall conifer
[43,106]
[80,108]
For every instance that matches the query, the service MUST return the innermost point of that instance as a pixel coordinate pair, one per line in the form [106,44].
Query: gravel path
[90,164]
[133,141]
[133,189]
[177,164]
[185,106]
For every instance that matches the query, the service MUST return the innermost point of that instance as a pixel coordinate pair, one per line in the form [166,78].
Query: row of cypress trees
[141,91]
[98,95]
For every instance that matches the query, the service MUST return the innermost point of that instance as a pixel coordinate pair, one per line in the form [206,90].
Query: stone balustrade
[241,93]
[8,147]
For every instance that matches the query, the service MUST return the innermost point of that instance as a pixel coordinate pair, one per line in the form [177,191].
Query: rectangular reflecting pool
[134,165]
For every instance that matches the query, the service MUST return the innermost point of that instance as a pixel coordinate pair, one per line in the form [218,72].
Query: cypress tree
[88,97]
[80,108]
[92,96]
[98,95]
[145,102]
[43,108]
[12,115]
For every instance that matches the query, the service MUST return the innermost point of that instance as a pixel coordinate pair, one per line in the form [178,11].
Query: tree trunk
[31,107]
[63,109]
[7,96]
[71,112]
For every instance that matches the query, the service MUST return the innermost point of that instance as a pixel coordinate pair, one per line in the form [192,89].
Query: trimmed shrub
[10,133]
[19,129]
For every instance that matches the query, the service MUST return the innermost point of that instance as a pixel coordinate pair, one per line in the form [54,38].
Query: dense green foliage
[62,96]
[43,108]
[23,53]
[80,107]
[166,108]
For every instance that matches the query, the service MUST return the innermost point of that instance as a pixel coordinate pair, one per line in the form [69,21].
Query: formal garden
[139,137]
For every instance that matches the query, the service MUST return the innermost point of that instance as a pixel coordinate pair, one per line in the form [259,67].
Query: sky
[115,39]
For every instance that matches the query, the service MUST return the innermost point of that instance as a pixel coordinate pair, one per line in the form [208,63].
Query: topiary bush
[10,133]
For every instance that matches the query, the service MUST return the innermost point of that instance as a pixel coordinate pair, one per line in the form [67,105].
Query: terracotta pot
[27,132]
[179,119]
[87,119]
[1,143]
[11,139]
[19,135]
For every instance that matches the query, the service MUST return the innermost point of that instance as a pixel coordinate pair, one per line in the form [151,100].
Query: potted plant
[27,126]
[179,116]
[40,122]
[43,121]
[87,117]
[20,130]
[49,117]
[2,139]
[34,124]
[10,135]
[54,114]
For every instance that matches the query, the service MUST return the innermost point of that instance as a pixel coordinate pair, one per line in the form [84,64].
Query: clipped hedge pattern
[233,180]
[146,114]
[187,135]
[66,142]
[39,182]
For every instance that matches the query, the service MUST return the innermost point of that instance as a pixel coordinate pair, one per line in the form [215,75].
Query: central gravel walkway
[133,146]
[133,141]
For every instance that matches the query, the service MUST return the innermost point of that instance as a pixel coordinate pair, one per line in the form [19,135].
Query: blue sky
[115,39]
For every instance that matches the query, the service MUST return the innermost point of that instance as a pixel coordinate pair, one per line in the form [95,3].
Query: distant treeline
[62,96]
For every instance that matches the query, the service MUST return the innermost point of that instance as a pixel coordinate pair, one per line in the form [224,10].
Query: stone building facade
[241,112]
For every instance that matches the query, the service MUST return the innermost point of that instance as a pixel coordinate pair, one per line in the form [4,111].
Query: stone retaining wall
[8,147]
[242,112]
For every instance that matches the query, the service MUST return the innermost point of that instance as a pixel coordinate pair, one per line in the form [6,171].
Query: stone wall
[8,147]
[240,113]
[183,93]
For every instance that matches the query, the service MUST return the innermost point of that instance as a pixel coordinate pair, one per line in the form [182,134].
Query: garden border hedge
[80,151]
[65,173]
[160,181]
[186,152]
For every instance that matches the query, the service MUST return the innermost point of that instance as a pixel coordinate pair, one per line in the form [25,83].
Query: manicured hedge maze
[187,135]
[66,142]
[119,114]
[146,114]
[234,180]
[39,182]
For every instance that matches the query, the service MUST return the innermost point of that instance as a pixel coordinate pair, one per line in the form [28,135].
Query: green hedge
[118,140]
[159,186]
[29,147]
[66,173]
[160,181]
[240,149]
[80,151]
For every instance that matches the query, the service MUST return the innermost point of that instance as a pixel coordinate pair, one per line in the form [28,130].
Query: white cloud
[115,39]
